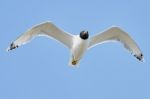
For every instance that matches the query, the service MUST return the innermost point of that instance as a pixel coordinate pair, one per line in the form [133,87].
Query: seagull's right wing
[116,34]
[46,29]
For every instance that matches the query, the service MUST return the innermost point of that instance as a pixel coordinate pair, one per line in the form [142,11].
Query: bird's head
[84,35]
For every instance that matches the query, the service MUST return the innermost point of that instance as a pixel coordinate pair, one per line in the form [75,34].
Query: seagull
[78,44]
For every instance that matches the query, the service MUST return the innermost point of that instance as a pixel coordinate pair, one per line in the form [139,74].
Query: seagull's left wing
[116,34]
[46,29]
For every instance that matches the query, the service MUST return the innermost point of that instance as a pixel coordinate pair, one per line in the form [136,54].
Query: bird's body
[79,44]
[78,49]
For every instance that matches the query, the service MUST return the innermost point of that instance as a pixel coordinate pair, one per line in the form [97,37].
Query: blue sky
[39,70]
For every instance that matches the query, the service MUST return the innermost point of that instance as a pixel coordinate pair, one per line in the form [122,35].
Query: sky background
[39,70]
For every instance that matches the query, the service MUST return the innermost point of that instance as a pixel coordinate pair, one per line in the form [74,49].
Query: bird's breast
[79,47]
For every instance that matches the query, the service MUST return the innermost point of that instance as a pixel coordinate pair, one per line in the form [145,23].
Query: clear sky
[39,70]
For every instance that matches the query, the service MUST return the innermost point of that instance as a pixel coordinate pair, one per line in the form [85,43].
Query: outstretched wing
[115,33]
[43,29]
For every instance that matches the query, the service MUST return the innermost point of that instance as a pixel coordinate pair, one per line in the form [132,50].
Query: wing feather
[117,34]
[44,29]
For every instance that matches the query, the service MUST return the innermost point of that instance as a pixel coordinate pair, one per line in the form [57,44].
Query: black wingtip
[12,46]
[140,57]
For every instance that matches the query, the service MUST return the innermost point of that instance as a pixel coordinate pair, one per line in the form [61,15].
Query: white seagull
[78,44]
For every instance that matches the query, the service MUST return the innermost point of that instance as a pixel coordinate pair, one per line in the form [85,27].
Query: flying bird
[79,44]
